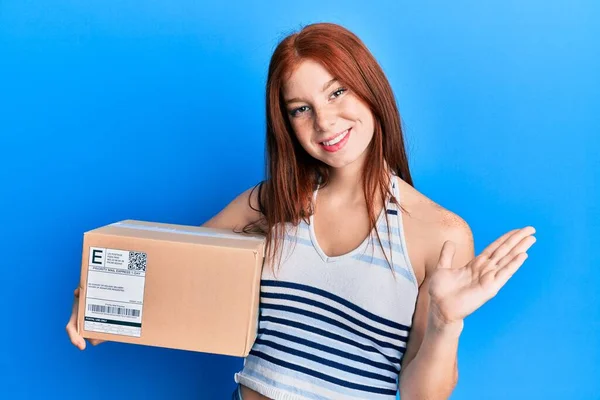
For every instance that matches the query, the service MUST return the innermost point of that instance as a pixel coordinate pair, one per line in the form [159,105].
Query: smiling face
[330,122]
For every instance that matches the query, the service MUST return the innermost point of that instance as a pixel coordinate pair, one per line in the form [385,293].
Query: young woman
[366,282]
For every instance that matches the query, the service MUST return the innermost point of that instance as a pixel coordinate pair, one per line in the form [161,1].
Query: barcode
[129,312]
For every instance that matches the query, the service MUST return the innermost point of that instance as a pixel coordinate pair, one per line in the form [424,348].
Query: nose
[325,118]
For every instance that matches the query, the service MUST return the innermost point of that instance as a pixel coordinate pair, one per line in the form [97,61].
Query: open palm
[457,292]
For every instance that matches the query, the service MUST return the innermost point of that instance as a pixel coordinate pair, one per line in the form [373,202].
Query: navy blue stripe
[338,299]
[329,321]
[333,310]
[392,212]
[331,335]
[322,376]
[320,360]
[328,349]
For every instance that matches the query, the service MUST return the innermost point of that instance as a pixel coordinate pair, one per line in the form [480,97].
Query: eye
[295,112]
[339,92]
[300,110]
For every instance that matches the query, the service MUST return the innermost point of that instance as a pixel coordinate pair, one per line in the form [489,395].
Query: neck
[346,182]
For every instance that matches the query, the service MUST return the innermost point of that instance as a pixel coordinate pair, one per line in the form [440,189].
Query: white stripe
[329,314]
[331,328]
[329,356]
[304,382]
[339,306]
[269,387]
[327,341]
[326,370]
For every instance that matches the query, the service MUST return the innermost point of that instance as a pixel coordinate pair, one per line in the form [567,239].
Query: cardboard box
[173,286]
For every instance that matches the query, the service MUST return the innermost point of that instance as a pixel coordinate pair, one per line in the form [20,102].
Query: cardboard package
[172,286]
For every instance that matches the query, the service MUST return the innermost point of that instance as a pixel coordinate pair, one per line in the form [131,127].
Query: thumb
[447,254]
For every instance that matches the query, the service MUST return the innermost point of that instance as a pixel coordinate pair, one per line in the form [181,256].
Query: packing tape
[186,232]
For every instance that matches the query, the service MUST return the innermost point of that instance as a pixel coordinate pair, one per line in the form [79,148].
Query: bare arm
[238,213]
[429,367]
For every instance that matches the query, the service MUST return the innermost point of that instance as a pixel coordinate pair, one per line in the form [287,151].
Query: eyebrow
[327,84]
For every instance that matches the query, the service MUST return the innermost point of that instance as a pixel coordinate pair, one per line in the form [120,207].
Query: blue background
[154,110]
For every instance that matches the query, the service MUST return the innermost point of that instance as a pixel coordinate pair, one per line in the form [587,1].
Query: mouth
[337,142]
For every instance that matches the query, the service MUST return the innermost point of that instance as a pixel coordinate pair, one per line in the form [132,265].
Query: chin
[340,162]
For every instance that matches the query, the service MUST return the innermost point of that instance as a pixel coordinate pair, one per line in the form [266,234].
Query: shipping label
[115,291]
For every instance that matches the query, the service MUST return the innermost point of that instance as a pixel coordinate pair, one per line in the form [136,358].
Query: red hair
[291,173]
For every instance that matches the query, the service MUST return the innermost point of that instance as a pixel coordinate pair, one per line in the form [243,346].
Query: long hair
[285,196]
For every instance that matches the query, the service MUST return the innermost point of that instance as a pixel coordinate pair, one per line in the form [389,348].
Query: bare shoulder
[242,210]
[429,225]
[452,227]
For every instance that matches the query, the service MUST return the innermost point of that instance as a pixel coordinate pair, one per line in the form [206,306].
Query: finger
[511,242]
[506,272]
[77,340]
[74,308]
[447,254]
[524,245]
[496,243]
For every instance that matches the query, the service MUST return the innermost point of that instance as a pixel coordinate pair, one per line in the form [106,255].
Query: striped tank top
[334,327]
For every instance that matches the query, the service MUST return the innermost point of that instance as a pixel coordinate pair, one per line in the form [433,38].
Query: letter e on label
[97,256]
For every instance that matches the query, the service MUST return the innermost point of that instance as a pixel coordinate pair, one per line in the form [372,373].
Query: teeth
[337,139]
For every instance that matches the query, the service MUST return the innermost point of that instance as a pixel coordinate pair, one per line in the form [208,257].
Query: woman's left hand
[457,292]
